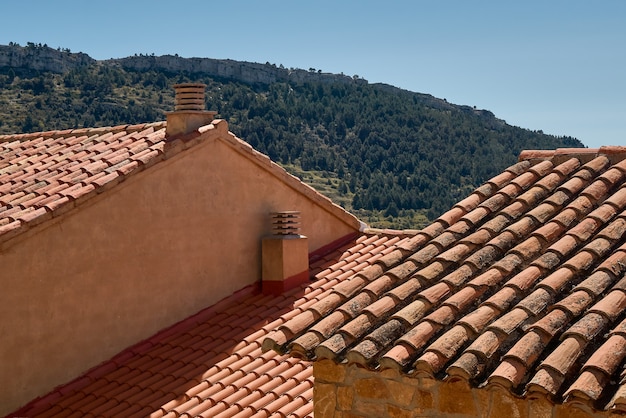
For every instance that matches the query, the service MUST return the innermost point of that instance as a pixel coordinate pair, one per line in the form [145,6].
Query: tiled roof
[211,364]
[45,174]
[521,285]
[48,173]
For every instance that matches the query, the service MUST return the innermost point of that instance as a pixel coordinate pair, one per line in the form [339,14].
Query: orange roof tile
[211,364]
[520,285]
[46,174]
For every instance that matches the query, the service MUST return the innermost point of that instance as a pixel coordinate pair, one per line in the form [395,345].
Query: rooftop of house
[46,174]
[211,364]
[521,285]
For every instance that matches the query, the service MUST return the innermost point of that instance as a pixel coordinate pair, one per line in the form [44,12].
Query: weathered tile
[511,285]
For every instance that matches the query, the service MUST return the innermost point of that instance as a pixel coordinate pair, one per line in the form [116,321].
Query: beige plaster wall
[354,392]
[153,250]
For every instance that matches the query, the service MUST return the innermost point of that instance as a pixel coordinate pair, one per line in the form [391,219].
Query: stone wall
[349,392]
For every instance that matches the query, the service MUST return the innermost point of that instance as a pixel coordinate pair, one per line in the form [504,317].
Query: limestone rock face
[42,58]
[248,72]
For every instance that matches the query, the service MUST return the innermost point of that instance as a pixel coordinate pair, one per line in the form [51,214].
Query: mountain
[393,157]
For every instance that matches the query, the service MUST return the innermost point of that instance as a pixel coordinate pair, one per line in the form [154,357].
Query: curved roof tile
[211,364]
[520,285]
[46,174]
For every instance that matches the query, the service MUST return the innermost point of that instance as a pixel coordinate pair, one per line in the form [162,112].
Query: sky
[551,65]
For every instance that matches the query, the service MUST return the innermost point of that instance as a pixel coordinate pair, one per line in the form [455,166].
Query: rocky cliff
[43,58]
[248,72]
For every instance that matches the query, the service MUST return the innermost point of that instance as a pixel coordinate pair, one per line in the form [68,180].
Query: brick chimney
[189,113]
[285,254]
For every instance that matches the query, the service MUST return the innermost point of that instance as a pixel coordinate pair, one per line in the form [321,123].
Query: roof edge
[136,164]
[614,153]
[218,128]
[292,181]
[82,131]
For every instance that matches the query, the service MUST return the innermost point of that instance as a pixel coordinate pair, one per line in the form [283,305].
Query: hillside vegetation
[394,158]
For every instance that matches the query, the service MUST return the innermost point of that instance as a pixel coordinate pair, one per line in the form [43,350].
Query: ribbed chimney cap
[189,96]
[189,112]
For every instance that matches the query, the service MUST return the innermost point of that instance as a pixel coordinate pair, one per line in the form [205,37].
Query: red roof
[211,364]
[521,285]
[45,174]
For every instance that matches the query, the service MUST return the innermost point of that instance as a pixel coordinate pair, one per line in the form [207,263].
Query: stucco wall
[351,392]
[153,250]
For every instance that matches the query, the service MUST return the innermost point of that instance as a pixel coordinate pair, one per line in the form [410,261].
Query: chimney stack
[189,113]
[285,254]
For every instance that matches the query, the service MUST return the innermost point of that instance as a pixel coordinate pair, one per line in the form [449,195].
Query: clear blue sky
[558,66]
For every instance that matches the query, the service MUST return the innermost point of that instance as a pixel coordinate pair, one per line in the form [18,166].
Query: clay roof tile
[519,285]
[199,367]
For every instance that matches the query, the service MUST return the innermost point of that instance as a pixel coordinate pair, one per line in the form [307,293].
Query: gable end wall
[155,249]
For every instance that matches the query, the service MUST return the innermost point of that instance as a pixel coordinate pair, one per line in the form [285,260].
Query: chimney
[189,113]
[285,254]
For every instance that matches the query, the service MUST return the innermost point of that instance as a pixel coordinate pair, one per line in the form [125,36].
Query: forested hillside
[393,157]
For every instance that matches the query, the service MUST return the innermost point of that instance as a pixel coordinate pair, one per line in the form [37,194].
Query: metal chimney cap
[286,223]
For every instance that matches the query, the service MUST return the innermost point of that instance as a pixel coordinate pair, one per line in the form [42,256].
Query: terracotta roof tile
[206,366]
[61,169]
[518,285]
[521,285]
[48,171]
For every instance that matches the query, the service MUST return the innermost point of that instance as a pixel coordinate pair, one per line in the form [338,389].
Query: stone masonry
[349,392]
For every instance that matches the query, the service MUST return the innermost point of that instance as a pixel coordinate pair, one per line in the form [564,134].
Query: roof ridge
[391,232]
[615,153]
